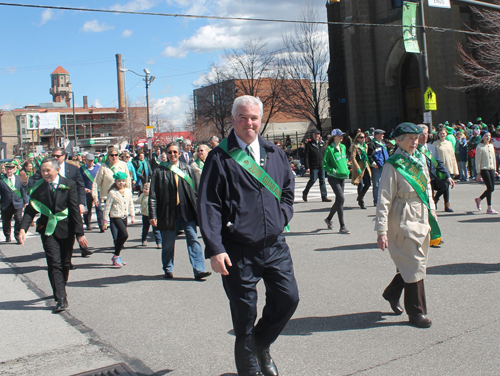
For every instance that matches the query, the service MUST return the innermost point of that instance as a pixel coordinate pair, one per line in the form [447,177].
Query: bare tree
[214,101]
[258,73]
[481,54]
[134,126]
[305,60]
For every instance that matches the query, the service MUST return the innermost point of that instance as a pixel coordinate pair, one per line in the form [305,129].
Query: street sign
[92,141]
[427,117]
[150,144]
[149,132]
[430,100]
[440,4]
[39,149]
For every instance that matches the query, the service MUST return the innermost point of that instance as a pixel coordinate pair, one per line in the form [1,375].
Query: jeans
[315,174]
[194,248]
[376,174]
[462,168]
[145,230]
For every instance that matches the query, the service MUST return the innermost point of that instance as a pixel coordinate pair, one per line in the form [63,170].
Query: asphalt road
[182,327]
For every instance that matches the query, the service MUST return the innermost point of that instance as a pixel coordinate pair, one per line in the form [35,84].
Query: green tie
[250,152]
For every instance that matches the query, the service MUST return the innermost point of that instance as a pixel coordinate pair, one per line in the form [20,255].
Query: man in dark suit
[56,199]
[12,201]
[186,154]
[437,171]
[245,199]
[68,171]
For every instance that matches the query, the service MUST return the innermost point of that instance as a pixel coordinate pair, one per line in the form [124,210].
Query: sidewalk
[34,341]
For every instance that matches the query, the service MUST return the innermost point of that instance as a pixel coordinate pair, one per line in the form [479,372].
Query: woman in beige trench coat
[402,226]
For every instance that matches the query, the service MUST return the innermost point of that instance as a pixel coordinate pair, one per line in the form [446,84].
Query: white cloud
[97,103]
[11,70]
[47,15]
[150,62]
[228,34]
[135,5]
[95,27]
[8,106]
[126,33]
[173,108]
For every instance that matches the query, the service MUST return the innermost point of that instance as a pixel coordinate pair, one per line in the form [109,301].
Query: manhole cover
[120,369]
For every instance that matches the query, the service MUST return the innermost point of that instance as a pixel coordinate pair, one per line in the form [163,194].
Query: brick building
[375,83]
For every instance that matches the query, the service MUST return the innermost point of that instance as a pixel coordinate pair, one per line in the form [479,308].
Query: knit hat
[120,176]
[407,128]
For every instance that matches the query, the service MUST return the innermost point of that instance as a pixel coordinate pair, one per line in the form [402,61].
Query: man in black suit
[56,199]
[71,172]
[12,201]
[186,154]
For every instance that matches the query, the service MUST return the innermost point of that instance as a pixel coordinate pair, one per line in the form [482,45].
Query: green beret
[479,119]
[30,155]
[407,128]
[120,176]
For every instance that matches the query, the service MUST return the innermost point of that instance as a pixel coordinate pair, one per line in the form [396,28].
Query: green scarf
[415,176]
[364,156]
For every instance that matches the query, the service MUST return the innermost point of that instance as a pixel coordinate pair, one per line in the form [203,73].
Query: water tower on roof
[61,90]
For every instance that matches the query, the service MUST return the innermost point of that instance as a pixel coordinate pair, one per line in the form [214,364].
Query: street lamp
[148,79]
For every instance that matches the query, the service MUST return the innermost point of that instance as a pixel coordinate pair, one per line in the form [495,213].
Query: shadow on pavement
[24,258]
[23,305]
[349,247]
[321,210]
[22,269]
[466,268]
[305,326]
[293,233]
[481,220]
[127,278]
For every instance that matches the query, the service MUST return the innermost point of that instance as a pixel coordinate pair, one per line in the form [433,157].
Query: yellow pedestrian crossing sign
[430,100]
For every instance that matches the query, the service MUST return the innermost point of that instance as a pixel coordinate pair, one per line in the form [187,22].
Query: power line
[434,28]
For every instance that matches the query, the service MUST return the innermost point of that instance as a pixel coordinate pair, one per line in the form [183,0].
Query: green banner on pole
[409,29]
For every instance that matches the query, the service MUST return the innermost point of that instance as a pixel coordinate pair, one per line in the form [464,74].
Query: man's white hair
[246,100]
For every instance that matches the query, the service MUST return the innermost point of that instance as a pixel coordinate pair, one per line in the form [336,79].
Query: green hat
[120,176]
[407,128]
[479,119]
[446,122]
[30,155]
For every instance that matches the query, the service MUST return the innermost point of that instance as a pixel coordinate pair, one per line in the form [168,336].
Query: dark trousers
[87,217]
[415,302]
[338,206]
[313,176]
[250,265]
[7,215]
[58,254]
[120,225]
[489,179]
[145,230]
[441,188]
[364,185]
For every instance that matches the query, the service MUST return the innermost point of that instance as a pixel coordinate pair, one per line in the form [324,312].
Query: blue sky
[178,51]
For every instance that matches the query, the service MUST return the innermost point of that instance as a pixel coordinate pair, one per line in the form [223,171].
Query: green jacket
[335,162]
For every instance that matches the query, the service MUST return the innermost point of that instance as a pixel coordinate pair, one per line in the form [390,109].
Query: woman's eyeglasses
[113,155]
[172,152]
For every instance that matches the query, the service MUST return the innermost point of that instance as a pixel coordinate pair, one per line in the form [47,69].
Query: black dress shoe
[7,240]
[61,305]
[326,199]
[395,306]
[86,252]
[304,196]
[72,267]
[202,275]
[420,321]
[267,365]
[169,275]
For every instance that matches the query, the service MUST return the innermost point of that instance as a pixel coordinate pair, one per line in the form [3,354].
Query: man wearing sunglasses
[172,203]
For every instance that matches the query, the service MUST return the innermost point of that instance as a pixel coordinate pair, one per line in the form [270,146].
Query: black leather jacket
[163,196]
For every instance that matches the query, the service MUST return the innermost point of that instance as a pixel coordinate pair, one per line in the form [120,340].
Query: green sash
[53,218]
[252,167]
[87,172]
[35,186]
[416,178]
[113,168]
[429,155]
[199,163]
[6,180]
[379,144]
[176,170]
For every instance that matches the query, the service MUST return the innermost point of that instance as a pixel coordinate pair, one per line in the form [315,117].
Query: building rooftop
[59,70]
